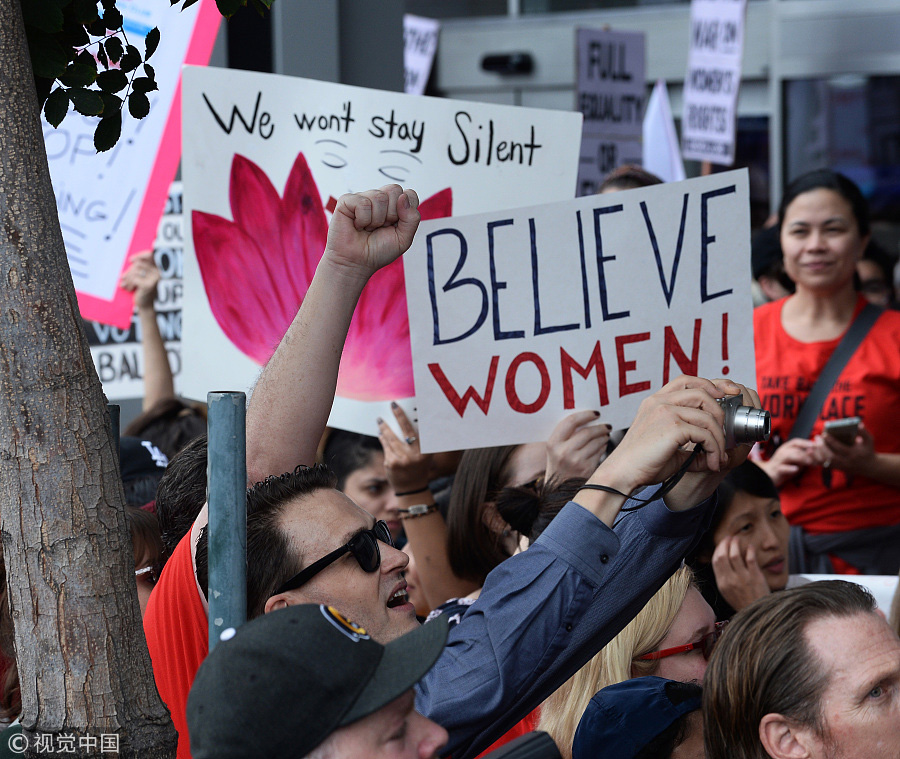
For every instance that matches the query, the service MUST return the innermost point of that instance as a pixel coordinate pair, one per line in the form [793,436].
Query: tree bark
[82,658]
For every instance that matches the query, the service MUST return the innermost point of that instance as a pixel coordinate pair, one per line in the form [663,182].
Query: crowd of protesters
[626,595]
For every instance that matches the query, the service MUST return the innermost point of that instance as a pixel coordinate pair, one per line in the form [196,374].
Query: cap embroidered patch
[348,628]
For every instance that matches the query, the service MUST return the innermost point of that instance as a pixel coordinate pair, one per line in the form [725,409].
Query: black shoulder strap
[832,370]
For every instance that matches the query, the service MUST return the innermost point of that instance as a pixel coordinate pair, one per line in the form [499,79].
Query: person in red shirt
[841,496]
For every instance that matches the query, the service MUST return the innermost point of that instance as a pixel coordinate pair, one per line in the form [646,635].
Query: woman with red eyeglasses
[671,637]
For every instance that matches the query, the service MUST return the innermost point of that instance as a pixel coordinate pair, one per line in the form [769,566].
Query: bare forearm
[158,381]
[885,468]
[292,399]
[427,537]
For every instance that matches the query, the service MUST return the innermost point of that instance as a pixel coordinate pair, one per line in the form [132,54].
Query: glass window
[552,6]
[849,123]
[457,8]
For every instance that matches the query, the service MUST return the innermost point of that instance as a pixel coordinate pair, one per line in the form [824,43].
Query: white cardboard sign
[118,353]
[610,94]
[712,80]
[420,40]
[527,315]
[260,148]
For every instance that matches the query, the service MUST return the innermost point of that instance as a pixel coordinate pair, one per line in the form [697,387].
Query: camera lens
[751,425]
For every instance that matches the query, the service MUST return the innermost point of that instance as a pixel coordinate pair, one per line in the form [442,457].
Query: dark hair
[180,496]
[628,177]
[763,665]
[746,478]
[529,510]
[141,490]
[170,424]
[271,556]
[473,550]
[345,452]
[826,179]
[146,541]
[662,746]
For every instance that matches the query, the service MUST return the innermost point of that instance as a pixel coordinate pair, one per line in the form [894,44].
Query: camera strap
[832,370]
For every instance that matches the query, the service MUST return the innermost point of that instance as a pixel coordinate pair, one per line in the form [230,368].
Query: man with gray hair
[807,673]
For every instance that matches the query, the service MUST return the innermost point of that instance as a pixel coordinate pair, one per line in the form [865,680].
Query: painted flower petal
[304,228]
[245,298]
[378,341]
[438,206]
[255,204]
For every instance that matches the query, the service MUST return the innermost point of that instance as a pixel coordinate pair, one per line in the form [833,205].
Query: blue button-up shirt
[545,612]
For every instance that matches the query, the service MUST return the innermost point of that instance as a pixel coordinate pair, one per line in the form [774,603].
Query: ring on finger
[411,439]
[827,463]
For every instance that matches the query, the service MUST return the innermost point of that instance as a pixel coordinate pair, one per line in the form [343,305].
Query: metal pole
[227,488]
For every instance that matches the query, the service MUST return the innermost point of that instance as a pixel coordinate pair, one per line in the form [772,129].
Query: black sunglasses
[363,546]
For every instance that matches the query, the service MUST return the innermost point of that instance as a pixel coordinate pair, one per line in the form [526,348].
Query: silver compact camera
[744,424]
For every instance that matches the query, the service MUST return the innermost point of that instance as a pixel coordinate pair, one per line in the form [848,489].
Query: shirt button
[604,558]
[568,628]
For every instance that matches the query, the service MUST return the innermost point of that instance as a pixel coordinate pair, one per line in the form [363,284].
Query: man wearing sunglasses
[541,614]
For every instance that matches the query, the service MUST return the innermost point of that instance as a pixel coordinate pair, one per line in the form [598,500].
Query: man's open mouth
[398,599]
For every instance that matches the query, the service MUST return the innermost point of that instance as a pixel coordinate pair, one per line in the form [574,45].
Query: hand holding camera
[721,416]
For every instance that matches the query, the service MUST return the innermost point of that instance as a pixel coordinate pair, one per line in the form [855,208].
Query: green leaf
[85,11]
[97,28]
[187,4]
[115,49]
[151,42]
[111,103]
[86,102]
[112,17]
[48,56]
[79,75]
[150,71]
[131,60]
[56,106]
[112,80]
[74,35]
[143,84]
[45,15]
[102,56]
[138,105]
[229,7]
[107,132]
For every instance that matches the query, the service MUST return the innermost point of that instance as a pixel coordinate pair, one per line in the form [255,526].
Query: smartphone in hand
[844,430]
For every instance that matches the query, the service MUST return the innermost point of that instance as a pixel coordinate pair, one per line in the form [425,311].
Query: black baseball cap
[624,718]
[284,682]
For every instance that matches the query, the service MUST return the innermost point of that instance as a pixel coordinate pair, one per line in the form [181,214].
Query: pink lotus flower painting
[256,271]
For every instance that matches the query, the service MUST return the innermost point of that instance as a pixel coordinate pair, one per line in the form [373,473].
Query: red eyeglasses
[706,644]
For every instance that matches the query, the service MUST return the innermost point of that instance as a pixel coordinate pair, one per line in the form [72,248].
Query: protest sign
[662,155]
[274,153]
[420,39]
[118,353]
[610,95]
[109,203]
[527,315]
[712,80]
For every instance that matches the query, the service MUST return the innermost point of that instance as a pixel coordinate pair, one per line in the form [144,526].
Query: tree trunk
[83,662]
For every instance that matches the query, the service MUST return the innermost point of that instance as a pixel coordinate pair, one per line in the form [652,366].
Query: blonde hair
[615,663]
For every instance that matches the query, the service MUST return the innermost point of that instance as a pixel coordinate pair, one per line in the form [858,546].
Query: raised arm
[292,399]
[142,278]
